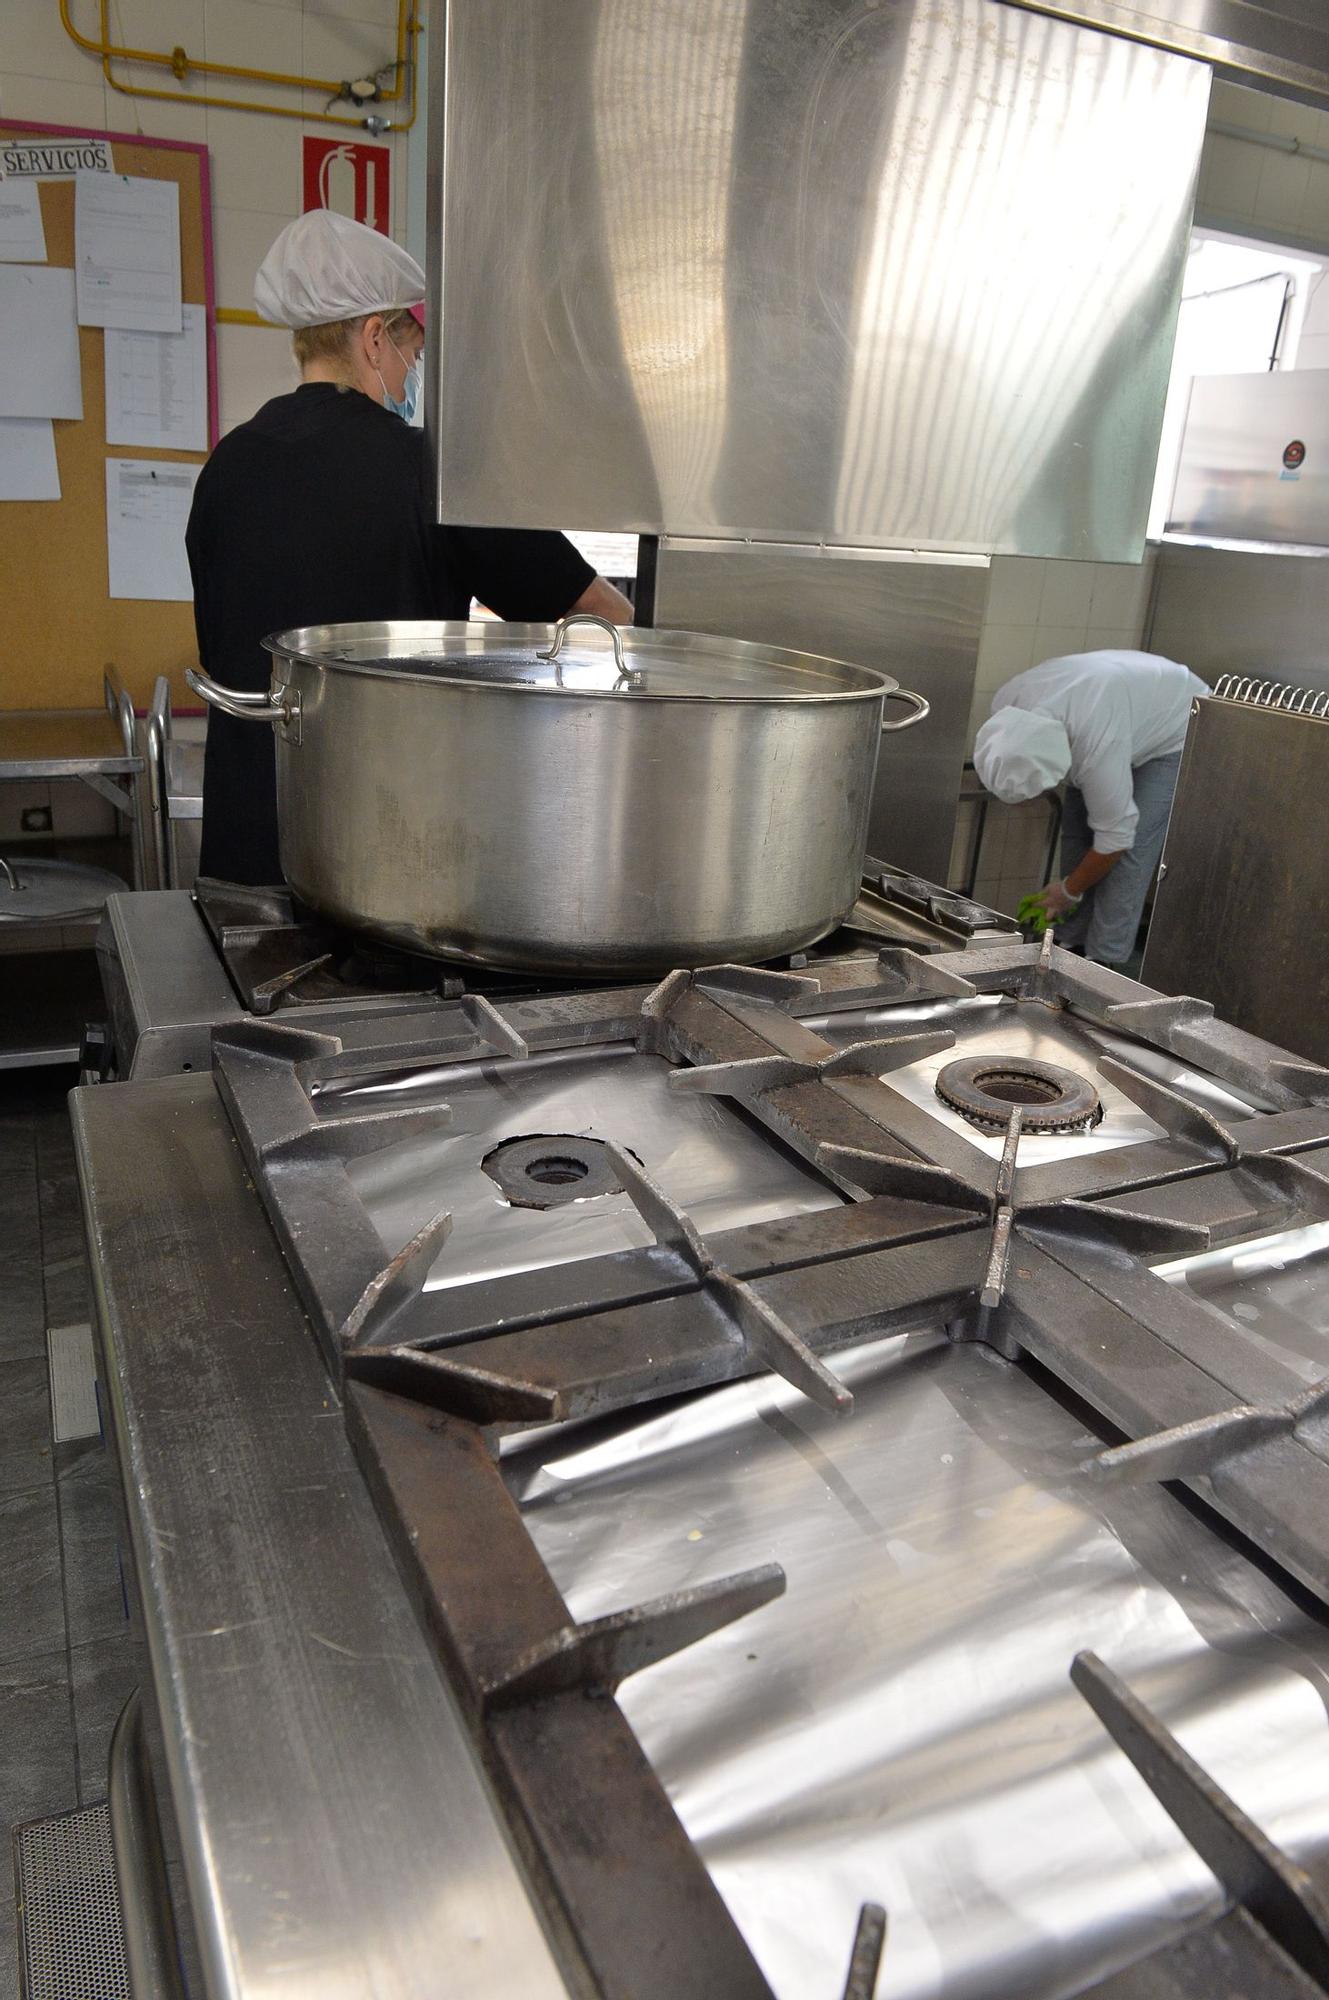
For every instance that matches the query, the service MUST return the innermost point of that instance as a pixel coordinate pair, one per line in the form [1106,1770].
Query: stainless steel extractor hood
[1283,44]
[806,270]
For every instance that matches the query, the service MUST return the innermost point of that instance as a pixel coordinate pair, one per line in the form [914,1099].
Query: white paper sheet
[608,555]
[147,507]
[39,368]
[27,459]
[127,252]
[22,237]
[157,386]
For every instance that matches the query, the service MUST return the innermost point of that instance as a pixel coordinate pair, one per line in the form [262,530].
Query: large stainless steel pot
[614,803]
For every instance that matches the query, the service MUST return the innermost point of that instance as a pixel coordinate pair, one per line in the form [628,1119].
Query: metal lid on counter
[54,892]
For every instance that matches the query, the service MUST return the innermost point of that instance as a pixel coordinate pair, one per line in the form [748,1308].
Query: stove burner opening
[1017,1089]
[983,1090]
[553,1172]
[544,1169]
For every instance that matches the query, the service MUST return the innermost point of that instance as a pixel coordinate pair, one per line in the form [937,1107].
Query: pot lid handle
[626,678]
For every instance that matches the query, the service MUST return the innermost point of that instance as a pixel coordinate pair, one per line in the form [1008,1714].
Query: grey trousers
[1104,927]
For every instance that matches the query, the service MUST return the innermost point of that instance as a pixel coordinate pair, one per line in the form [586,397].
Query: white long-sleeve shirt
[1118,709]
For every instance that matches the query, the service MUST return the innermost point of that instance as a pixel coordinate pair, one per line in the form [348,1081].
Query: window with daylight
[1246,308]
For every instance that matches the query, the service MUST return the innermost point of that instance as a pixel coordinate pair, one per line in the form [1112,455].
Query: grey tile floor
[67,1661]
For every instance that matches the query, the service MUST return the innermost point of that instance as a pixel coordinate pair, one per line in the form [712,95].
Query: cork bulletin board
[62,628]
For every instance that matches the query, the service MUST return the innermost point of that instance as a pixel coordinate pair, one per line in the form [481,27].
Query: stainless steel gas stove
[174,965]
[799,1482]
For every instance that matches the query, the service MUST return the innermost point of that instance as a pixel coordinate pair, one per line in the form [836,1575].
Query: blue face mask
[406,406]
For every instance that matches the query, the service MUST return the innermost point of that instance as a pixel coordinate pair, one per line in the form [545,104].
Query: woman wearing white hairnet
[1113,723]
[315,512]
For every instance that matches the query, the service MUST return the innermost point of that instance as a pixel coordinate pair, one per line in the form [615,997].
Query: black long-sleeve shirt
[314,513]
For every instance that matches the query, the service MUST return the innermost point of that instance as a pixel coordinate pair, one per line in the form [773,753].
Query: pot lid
[581,655]
[33,892]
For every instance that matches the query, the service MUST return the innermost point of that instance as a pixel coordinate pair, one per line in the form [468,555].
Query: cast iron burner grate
[985,1090]
[1042,1261]
[280,956]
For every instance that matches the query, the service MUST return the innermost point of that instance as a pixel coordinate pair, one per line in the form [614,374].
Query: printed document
[157,386]
[39,364]
[27,459]
[147,507]
[127,252]
[22,238]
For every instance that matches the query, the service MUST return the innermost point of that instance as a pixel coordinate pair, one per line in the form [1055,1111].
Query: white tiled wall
[1256,190]
[255,160]
[1037,609]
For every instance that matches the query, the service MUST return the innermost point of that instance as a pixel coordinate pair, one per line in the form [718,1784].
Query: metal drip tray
[899,1726]
[1275,1288]
[706,1155]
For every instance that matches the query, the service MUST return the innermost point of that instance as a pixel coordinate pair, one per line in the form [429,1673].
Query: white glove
[1057,901]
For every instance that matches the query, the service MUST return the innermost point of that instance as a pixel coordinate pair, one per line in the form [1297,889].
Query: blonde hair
[332,342]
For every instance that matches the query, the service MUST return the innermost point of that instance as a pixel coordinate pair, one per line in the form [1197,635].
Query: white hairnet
[1020,752]
[324,267]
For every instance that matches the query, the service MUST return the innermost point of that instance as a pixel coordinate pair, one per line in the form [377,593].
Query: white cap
[1020,752]
[325,267]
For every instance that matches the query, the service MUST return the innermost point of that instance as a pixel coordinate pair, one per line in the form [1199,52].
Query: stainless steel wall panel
[1242,611]
[1233,481]
[918,619]
[810,270]
[1241,916]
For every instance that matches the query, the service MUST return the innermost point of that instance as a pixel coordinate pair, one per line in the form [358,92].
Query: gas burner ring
[551,1169]
[985,1090]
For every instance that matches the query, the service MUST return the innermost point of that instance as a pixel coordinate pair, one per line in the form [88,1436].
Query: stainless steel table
[336,1836]
[175,789]
[66,743]
[95,747]
[98,746]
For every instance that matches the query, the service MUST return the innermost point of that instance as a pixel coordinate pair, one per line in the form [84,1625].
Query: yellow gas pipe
[180,64]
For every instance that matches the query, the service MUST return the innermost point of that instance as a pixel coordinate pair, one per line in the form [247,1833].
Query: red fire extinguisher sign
[349,177]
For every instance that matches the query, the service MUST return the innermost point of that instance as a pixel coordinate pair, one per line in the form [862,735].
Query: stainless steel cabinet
[1255,459]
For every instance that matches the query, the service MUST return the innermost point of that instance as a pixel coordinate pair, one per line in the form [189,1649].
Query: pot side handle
[231,701]
[922,709]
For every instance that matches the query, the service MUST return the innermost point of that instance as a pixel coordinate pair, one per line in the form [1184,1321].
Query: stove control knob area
[96,1055]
